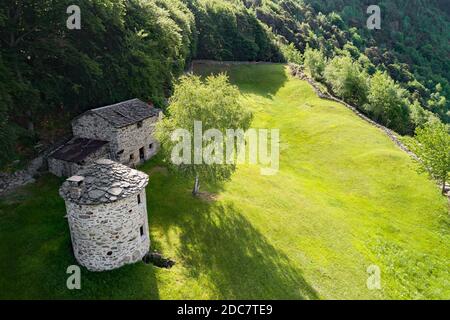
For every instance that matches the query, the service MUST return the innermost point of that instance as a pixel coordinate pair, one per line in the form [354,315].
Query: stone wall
[125,142]
[11,181]
[91,126]
[108,236]
[58,167]
[132,138]
[61,168]
[298,72]
[230,63]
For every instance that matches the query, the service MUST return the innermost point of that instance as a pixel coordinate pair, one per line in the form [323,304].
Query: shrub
[420,116]
[291,54]
[388,103]
[433,148]
[314,61]
[347,79]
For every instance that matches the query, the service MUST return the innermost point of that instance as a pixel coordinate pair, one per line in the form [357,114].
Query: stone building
[107,215]
[70,158]
[123,132]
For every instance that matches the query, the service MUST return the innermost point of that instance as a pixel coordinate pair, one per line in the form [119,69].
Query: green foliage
[437,102]
[347,79]
[215,104]
[332,208]
[125,49]
[339,28]
[420,116]
[160,47]
[299,24]
[352,50]
[412,45]
[433,148]
[314,61]
[7,136]
[366,64]
[388,103]
[228,31]
[291,54]
[136,48]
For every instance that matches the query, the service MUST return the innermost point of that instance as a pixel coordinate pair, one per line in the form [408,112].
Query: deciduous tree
[388,103]
[314,61]
[215,104]
[432,145]
[347,79]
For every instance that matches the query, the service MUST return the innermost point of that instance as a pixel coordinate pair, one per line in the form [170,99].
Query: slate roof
[104,181]
[125,113]
[77,149]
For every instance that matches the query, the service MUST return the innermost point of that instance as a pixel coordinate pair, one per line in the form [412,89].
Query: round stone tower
[107,214]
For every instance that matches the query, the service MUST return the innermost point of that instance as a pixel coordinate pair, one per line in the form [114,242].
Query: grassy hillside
[412,44]
[49,74]
[309,232]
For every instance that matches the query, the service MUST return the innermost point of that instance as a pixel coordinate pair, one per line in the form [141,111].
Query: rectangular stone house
[123,132]
[68,160]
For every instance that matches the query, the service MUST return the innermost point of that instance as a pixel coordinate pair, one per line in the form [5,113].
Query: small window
[132,156]
[150,146]
[141,230]
[139,198]
[139,124]
[109,253]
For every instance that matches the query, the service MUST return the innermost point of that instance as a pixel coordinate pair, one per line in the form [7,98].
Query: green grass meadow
[345,198]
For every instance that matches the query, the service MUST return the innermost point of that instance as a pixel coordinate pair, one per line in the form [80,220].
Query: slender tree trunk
[443,187]
[196,186]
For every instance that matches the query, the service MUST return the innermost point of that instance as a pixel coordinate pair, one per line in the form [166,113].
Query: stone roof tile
[102,182]
[125,113]
[77,149]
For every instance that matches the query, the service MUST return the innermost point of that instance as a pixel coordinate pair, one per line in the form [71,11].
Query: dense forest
[138,48]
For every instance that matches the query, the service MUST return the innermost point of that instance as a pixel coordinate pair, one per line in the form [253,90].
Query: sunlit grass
[345,198]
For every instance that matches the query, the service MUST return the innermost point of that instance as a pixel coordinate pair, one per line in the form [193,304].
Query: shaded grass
[345,198]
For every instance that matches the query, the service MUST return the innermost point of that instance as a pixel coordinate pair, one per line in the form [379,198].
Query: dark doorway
[141,154]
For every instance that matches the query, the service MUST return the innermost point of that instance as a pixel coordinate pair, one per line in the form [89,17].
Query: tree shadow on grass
[221,243]
[261,79]
[46,277]
[35,251]
[217,241]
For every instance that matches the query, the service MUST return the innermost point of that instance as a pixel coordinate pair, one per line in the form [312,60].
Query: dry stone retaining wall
[296,71]
[11,181]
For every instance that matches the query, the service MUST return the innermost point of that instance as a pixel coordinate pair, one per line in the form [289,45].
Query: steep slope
[133,48]
[414,32]
[345,198]
[229,30]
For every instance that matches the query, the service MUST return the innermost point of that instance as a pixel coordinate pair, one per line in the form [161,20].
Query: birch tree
[202,111]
